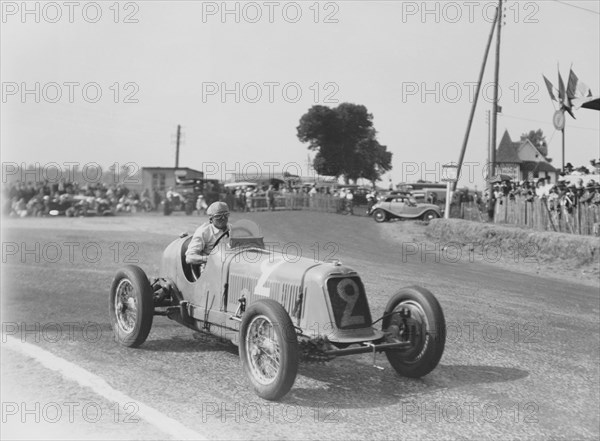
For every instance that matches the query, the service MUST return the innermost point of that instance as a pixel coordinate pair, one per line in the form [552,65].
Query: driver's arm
[195,253]
[195,259]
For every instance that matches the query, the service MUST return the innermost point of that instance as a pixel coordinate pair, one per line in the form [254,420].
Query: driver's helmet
[217,208]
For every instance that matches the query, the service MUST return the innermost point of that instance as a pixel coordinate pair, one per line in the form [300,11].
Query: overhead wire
[577,7]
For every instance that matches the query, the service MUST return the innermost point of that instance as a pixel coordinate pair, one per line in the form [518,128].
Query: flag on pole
[550,88]
[563,96]
[572,84]
[561,89]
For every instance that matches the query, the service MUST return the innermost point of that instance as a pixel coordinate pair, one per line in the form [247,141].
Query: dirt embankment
[558,254]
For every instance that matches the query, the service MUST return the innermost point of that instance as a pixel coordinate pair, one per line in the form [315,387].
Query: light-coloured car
[278,311]
[403,206]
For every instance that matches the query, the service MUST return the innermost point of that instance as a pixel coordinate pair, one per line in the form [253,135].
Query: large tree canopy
[345,141]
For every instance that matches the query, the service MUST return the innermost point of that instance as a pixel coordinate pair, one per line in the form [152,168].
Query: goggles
[221,216]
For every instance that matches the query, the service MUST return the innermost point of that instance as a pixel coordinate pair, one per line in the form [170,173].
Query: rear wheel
[379,215]
[414,315]
[430,214]
[269,349]
[131,306]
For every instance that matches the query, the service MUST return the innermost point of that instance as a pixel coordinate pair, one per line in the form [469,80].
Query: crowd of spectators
[254,198]
[560,194]
[22,199]
[560,198]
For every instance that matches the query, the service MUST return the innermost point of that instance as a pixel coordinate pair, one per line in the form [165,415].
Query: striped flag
[572,84]
[561,89]
[550,88]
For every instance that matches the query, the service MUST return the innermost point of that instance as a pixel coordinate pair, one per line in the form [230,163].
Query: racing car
[277,310]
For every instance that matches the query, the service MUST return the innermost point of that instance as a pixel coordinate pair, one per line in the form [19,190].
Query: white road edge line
[87,379]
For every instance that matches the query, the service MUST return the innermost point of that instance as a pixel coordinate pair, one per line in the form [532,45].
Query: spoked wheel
[379,215]
[131,306]
[414,315]
[269,349]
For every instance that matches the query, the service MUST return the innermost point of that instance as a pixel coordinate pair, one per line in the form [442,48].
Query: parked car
[403,206]
[278,311]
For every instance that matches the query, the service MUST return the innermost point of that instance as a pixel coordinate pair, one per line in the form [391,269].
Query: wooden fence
[539,215]
[582,219]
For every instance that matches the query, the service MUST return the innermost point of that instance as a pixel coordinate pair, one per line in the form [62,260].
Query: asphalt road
[521,359]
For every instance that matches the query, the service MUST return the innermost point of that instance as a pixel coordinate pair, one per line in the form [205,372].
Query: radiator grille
[283,292]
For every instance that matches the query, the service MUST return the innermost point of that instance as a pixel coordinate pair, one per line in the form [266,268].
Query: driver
[208,234]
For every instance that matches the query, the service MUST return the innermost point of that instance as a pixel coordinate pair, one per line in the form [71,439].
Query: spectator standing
[270,198]
[350,202]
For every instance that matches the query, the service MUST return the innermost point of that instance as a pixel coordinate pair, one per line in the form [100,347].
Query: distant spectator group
[22,199]
[253,198]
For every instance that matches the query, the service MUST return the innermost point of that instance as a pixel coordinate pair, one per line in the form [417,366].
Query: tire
[131,306]
[379,215]
[430,214]
[266,322]
[425,328]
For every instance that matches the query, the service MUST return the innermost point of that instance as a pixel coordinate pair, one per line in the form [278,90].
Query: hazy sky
[108,82]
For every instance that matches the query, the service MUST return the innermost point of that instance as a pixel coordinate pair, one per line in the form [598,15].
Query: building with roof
[161,178]
[522,161]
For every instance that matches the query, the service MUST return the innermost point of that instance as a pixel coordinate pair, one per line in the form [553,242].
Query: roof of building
[507,150]
[511,152]
[534,166]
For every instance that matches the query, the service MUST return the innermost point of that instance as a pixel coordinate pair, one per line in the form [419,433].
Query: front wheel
[379,215]
[131,306]
[269,349]
[414,315]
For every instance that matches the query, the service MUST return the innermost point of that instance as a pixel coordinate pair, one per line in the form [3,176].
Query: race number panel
[349,303]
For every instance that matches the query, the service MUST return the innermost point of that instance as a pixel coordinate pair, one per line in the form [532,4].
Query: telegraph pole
[474,105]
[177,148]
[488,120]
[500,16]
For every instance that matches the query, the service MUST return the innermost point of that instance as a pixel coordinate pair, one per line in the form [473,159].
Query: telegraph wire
[546,122]
[577,7]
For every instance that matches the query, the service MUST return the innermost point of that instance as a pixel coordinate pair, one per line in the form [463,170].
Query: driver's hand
[196,259]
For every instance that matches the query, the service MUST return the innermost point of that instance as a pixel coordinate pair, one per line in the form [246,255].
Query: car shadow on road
[199,342]
[361,386]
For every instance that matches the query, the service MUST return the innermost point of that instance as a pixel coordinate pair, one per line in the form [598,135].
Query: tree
[538,139]
[345,141]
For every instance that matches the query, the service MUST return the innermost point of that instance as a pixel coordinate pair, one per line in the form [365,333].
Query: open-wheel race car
[277,310]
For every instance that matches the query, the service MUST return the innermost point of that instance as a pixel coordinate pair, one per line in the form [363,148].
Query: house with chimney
[522,161]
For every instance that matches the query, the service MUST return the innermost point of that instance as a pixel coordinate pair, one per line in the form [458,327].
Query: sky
[108,82]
